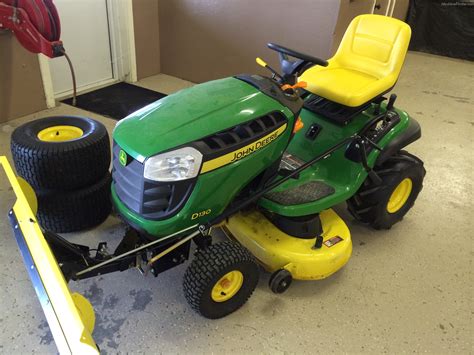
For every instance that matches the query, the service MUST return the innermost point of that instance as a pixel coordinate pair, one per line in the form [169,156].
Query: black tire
[208,267]
[72,211]
[369,205]
[280,281]
[66,165]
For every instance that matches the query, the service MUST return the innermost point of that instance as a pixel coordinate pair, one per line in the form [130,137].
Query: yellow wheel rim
[399,195]
[60,134]
[227,286]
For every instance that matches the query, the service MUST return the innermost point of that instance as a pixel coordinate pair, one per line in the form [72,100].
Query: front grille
[150,199]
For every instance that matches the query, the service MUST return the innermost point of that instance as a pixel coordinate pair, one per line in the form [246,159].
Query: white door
[85,35]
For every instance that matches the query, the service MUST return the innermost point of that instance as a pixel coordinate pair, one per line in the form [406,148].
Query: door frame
[122,40]
[122,47]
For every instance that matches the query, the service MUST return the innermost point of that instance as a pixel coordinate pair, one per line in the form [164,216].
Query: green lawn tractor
[263,158]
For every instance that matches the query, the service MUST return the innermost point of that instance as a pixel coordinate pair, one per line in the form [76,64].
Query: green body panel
[213,191]
[191,114]
[208,108]
[344,175]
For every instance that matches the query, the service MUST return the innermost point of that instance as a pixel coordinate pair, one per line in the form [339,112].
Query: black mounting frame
[74,258]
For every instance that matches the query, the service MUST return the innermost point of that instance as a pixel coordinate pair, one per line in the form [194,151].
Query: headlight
[179,164]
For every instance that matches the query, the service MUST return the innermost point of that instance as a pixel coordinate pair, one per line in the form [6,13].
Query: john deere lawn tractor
[263,158]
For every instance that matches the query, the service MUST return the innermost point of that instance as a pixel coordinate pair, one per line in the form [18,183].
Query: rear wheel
[220,279]
[383,205]
[61,153]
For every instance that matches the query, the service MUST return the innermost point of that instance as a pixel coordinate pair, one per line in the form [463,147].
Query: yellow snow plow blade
[70,316]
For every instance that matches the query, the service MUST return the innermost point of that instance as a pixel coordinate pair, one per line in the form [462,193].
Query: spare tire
[62,153]
[72,211]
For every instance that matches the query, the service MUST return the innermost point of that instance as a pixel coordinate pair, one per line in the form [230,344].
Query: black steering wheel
[292,69]
[302,56]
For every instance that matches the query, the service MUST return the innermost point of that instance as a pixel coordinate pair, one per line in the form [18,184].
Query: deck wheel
[280,281]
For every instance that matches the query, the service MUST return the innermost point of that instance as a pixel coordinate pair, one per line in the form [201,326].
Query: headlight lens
[179,164]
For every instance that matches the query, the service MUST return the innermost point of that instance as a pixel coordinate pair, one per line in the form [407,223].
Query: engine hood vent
[239,136]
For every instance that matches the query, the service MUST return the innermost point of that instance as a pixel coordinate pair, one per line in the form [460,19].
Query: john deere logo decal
[123,158]
[242,152]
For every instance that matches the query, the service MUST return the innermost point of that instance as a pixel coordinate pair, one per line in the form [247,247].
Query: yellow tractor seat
[366,64]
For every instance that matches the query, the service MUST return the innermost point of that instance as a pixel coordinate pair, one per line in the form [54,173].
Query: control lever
[391,101]
[319,242]
[298,85]
[262,63]
[363,156]
[378,102]
[373,144]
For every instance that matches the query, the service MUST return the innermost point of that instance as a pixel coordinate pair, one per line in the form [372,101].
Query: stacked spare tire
[66,160]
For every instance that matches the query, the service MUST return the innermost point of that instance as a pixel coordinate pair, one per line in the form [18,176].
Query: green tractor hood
[191,114]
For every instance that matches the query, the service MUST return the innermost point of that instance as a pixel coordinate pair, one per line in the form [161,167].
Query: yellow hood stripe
[242,152]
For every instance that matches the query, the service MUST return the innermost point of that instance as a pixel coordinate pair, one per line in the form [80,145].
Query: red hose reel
[35,24]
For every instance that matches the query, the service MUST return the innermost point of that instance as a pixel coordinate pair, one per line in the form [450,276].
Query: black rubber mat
[116,101]
[305,193]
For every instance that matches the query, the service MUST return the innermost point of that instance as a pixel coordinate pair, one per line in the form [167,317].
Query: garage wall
[147,37]
[352,8]
[207,39]
[347,11]
[21,85]
[400,11]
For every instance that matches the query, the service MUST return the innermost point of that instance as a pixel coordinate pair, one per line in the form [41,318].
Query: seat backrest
[375,45]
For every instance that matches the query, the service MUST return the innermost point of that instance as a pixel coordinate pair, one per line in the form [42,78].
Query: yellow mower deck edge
[69,331]
[276,250]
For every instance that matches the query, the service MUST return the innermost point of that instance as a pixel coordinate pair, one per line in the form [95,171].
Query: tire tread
[71,211]
[368,205]
[60,166]
[207,263]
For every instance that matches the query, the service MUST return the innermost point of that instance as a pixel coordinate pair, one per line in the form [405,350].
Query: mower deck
[301,257]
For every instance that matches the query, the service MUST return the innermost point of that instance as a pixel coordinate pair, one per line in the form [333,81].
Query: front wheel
[383,205]
[220,279]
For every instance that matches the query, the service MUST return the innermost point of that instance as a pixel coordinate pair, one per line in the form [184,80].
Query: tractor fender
[408,136]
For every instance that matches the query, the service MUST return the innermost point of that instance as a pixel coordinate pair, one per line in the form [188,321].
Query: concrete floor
[408,289]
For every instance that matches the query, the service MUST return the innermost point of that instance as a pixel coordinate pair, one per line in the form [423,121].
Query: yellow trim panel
[242,152]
